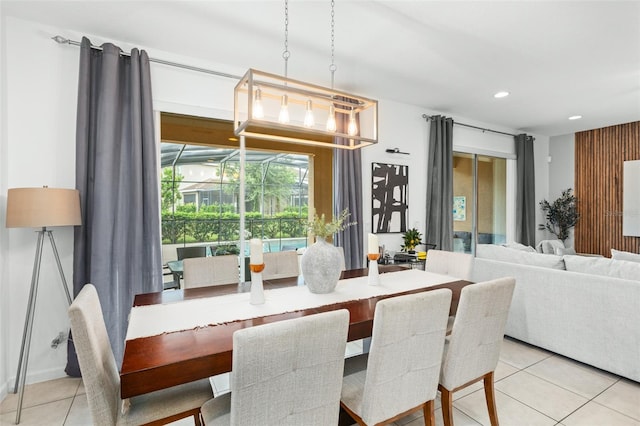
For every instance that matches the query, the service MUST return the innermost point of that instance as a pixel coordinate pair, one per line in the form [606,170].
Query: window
[211,188]
[200,201]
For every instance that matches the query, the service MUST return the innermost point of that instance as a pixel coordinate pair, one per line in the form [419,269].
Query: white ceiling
[557,58]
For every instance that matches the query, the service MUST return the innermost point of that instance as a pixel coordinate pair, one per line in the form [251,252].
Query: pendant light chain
[286,52]
[332,67]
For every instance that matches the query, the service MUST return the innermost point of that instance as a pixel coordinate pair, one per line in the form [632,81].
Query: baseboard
[3,391]
[33,377]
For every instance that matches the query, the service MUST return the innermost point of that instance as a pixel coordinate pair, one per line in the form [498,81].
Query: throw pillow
[562,251]
[626,270]
[625,255]
[549,246]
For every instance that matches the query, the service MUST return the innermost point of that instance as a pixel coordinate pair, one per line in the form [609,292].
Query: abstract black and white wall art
[389,190]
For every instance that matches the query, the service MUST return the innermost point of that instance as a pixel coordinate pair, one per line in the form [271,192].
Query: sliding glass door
[479,201]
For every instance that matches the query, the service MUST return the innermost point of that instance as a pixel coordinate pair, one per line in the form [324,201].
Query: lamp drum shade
[42,207]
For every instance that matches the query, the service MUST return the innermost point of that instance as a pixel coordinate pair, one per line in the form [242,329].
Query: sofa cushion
[505,254]
[603,266]
[625,255]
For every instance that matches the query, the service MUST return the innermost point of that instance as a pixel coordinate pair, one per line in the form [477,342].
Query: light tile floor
[533,387]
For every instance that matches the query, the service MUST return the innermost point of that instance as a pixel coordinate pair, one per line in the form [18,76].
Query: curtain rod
[429,117]
[61,40]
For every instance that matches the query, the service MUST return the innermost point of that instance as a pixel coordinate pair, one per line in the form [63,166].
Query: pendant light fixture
[273,107]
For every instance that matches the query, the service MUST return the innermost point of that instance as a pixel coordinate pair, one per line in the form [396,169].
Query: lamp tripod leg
[55,253]
[21,375]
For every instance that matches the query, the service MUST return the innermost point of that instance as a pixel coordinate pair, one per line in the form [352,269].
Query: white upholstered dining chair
[403,364]
[454,264]
[285,373]
[473,348]
[212,270]
[102,380]
[282,264]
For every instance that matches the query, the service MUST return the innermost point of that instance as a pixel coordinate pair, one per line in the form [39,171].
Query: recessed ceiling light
[501,95]
[575,117]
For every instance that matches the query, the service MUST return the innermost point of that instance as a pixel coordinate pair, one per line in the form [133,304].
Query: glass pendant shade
[299,112]
[308,115]
[352,127]
[283,117]
[331,120]
[258,110]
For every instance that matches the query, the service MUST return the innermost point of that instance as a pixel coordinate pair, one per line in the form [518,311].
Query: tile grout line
[527,405]
[610,408]
[560,386]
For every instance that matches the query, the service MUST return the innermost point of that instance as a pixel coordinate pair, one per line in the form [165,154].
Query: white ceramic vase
[321,266]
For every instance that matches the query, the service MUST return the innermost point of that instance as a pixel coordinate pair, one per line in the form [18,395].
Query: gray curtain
[525,191]
[439,220]
[118,247]
[347,190]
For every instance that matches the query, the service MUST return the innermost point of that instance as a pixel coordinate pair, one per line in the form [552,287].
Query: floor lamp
[39,208]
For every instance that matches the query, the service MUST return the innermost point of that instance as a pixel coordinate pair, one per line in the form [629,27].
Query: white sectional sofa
[585,308]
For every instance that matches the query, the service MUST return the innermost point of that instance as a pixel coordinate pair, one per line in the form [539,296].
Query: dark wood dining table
[169,359]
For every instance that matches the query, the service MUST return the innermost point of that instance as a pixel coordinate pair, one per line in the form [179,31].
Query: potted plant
[321,263]
[562,214]
[412,238]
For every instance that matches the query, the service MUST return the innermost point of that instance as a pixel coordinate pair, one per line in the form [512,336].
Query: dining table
[169,352]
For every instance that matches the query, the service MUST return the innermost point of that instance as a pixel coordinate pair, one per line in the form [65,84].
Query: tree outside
[188,223]
[278,181]
[169,185]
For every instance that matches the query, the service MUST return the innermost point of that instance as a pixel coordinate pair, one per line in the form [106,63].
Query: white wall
[561,163]
[400,126]
[39,117]
[562,156]
[4,285]
[40,81]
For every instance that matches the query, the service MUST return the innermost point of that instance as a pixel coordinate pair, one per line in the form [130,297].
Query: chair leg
[490,396]
[446,399]
[429,416]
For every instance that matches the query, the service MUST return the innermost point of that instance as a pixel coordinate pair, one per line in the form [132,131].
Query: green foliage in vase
[562,214]
[412,238]
[323,229]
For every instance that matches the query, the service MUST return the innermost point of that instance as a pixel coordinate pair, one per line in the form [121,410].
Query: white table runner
[152,320]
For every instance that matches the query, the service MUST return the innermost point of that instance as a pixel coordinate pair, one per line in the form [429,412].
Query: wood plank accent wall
[599,157]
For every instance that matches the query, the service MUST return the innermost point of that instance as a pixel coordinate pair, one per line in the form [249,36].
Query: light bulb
[331,120]
[308,116]
[352,128]
[284,110]
[258,109]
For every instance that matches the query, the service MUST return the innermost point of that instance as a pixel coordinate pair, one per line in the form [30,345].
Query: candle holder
[257,290]
[374,275]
